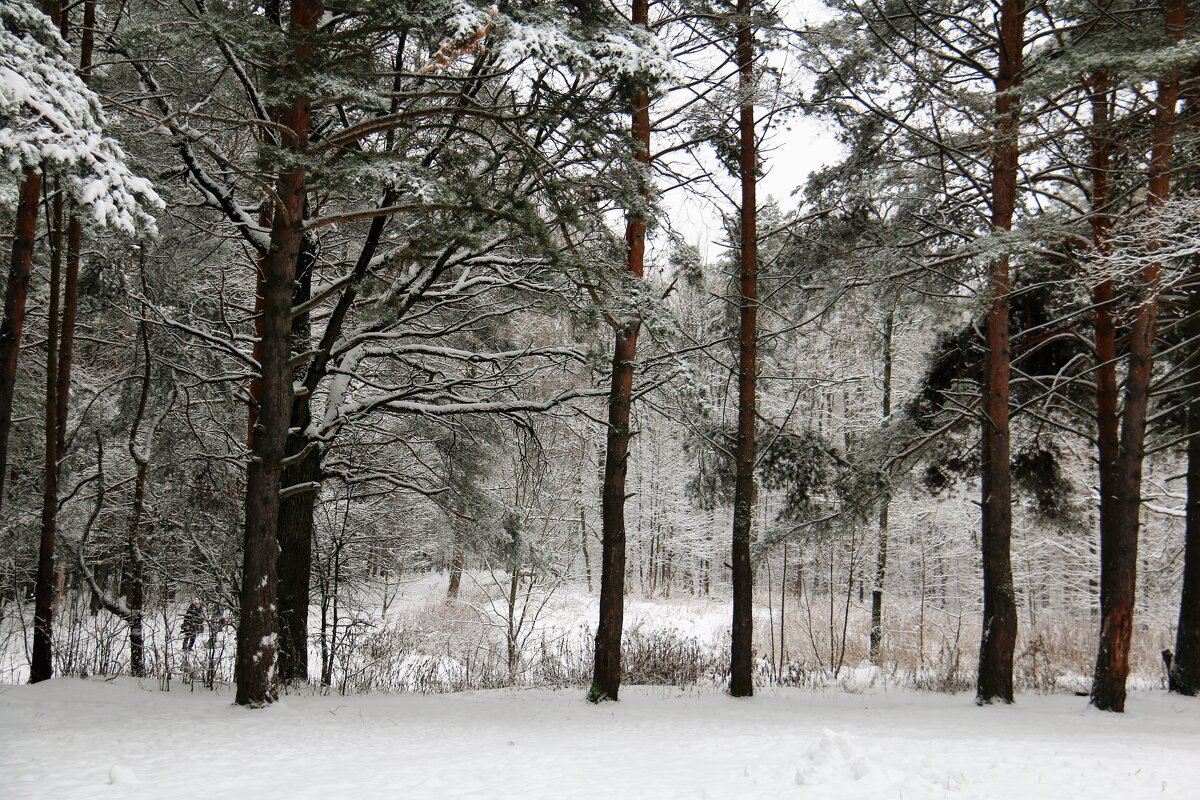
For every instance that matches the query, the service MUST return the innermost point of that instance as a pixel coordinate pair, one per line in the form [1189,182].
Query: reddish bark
[999,600]
[24,234]
[257,631]
[606,675]
[741,668]
[1118,546]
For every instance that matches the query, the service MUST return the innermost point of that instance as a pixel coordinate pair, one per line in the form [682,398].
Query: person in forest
[193,623]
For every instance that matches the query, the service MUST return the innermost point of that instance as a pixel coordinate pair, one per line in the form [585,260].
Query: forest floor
[73,738]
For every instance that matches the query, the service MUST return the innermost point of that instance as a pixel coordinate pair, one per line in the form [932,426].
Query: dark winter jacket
[193,620]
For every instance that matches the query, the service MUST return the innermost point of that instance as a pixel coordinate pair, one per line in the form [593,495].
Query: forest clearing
[552,398]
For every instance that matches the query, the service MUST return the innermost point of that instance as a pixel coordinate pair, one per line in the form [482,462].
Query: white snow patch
[119,775]
[55,737]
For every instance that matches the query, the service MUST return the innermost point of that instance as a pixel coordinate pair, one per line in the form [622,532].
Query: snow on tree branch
[50,121]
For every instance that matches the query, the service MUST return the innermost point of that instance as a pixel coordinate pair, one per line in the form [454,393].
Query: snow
[51,121]
[72,738]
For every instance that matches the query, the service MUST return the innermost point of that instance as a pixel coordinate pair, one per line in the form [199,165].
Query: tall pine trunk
[606,674]
[41,665]
[999,601]
[24,234]
[257,631]
[1108,439]
[1119,544]
[741,667]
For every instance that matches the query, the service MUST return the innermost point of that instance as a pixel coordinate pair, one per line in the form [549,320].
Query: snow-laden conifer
[50,121]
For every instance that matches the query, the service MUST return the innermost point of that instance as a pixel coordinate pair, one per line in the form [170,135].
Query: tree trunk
[1118,546]
[295,525]
[135,564]
[1108,439]
[1184,671]
[606,675]
[1184,676]
[881,555]
[74,241]
[257,632]
[999,600]
[255,390]
[456,565]
[741,667]
[41,666]
[24,235]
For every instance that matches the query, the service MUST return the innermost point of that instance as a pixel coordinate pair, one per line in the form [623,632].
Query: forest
[393,347]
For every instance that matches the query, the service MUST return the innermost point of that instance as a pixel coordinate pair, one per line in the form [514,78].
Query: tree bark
[66,350]
[257,633]
[1184,676]
[41,665]
[1184,671]
[24,235]
[1108,438]
[1118,546]
[295,525]
[999,601]
[135,564]
[606,675]
[881,554]
[457,564]
[741,668]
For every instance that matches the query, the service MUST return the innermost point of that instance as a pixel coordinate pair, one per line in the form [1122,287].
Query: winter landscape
[600,398]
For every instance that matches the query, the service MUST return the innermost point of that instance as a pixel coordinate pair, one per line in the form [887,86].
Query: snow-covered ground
[73,738]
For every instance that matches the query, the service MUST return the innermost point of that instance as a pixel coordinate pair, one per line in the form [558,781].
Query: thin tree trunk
[257,630]
[606,675]
[255,391]
[1118,547]
[74,241]
[882,553]
[41,665]
[741,668]
[135,565]
[456,565]
[583,544]
[24,234]
[999,601]
[782,613]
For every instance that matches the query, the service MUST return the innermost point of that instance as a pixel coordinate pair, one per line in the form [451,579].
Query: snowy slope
[93,739]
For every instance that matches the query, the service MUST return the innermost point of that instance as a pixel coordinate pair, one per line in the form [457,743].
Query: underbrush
[430,646]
